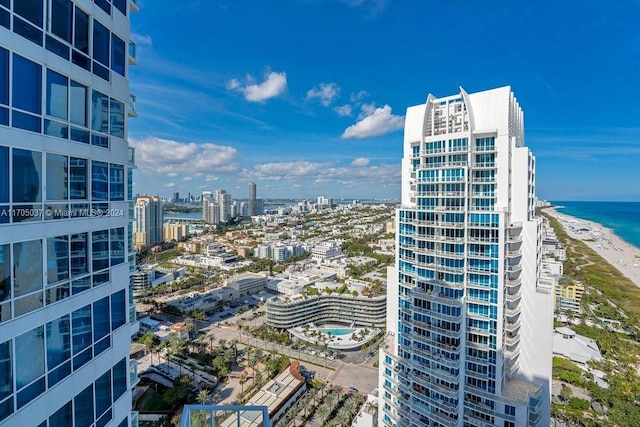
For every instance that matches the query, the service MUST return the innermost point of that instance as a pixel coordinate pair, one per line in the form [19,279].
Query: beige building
[175,232]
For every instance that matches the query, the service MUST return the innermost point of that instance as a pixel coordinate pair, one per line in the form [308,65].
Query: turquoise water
[621,217]
[335,332]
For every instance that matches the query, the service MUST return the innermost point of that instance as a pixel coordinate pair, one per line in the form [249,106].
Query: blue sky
[307,97]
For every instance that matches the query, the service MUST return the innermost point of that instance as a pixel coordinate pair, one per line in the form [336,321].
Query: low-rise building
[567,297]
[577,348]
[278,395]
[325,251]
[248,283]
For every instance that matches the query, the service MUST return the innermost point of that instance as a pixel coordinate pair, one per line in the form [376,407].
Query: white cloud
[273,85]
[343,110]
[359,95]
[374,122]
[279,170]
[141,39]
[173,174]
[326,93]
[360,161]
[187,178]
[169,185]
[233,84]
[366,110]
[305,172]
[211,178]
[155,155]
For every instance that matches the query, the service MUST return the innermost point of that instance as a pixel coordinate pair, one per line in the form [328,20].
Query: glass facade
[458,272]
[65,188]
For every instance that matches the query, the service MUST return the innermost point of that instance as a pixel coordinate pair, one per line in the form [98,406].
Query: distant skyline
[308,97]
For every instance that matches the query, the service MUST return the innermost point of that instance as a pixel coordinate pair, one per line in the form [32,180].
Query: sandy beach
[620,254]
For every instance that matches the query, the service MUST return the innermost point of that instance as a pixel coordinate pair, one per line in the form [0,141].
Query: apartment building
[470,327]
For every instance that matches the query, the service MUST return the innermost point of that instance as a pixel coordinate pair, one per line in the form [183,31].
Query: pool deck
[337,342]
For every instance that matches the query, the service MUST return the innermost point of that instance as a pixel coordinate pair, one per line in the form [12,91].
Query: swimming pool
[335,332]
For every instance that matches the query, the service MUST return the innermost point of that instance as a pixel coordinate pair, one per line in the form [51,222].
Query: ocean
[621,217]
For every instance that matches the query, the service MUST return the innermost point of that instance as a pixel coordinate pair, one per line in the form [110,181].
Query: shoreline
[622,255]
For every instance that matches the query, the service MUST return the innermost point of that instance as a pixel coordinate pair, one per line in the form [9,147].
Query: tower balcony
[438,297]
[513,298]
[511,340]
[512,326]
[513,283]
[433,371]
[435,314]
[133,6]
[133,60]
[131,106]
[512,312]
[475,420]
[513,268]
[514,253]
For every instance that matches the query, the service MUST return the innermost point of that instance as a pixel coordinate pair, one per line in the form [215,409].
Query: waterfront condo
[65,213]
[469,327]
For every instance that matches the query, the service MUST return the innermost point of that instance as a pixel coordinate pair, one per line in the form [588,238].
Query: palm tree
[202,397]
[211,338]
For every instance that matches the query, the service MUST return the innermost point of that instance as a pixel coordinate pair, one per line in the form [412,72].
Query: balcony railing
[134,6]
[214,415]
[133,59]
[133,372]
[131,106]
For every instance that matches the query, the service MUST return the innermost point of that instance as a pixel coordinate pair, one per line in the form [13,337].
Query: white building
[326,251]
[147,226]
[65,192]
[470,327]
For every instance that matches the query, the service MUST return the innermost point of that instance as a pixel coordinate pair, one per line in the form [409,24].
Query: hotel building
[287,312]
[65,210]
[470,329]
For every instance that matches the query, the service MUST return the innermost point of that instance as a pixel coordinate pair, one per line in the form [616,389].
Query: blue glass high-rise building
[65,213]
[469,325]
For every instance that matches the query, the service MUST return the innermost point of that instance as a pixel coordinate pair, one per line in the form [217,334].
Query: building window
[30,364]
[118,311]
[119,378]
[61,19]
[57,177]
[6,374]
[57,259]
[100,250]
[116,116]
[4,86]
[58,342]
[117,246]
[62,417]
[81,336]
[99,181]
[83,407]
[79,254]
[81,31]
[116,182]
[78,179]
[118,55]
[103,393]
[27,267]
[27,93]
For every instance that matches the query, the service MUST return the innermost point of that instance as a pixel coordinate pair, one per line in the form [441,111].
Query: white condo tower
[66,200]
[469,328]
